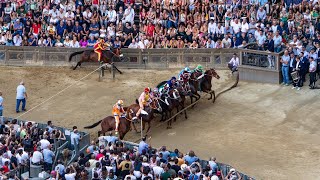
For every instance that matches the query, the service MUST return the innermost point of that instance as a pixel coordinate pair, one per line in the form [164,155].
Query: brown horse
[154,106]
[91,56]
[109,124]
[204,84]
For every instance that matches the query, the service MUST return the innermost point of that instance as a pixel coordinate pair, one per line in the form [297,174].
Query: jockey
[118,110]
[144,100]
[155,94]
[99,47]
[199,69]
[172,83]
[184,78]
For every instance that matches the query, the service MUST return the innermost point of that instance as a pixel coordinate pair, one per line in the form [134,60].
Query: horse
[204,84]
[91,56]
[153,107]
[109,124]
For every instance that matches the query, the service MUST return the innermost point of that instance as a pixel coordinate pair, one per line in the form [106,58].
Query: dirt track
[267,131]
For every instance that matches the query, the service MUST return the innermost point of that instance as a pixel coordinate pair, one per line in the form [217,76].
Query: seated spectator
[74,43]
[133,44]
[91,42]
[33,41]
[67,42]
[94,29]
[17,40]
[84,42]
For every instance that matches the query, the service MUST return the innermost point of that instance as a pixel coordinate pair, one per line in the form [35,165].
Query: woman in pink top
[83,42]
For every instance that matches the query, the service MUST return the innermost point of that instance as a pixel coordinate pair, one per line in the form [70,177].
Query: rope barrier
[192,104]
[59,92]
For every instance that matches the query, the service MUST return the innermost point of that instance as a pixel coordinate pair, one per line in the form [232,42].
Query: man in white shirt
[54,15]
[21,97]
[112,15]
[244,26]
[44,143]
[128,15]
[236,25]
[37,157]
[75,137]
[133,45]
[212,27]
[17,40]
[234,63]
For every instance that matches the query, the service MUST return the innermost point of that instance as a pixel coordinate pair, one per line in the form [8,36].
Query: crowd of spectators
[159,24]
[24,144]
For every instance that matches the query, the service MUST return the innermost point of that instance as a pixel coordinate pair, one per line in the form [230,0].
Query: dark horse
[91,56]
[154,106]
[204,84]
[109,124]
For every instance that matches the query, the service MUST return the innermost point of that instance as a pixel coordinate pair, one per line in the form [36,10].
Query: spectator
[1,104]
[191,157]
[285,67]
[37,157]
[133,44]
[17,40]
[48,157]
[21,97]
[75,137]
[143,145]
[234,63]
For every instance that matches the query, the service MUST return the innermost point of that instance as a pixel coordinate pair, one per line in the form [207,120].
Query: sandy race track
[266,131]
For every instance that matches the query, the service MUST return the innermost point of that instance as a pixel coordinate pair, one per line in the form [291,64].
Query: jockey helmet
[199,67]
[187,69]
[155,90]
[173,78]
[120,102]
[147,89]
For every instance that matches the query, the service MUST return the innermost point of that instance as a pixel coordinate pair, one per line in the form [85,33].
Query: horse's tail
[137,102]
[75,53]
[93,125]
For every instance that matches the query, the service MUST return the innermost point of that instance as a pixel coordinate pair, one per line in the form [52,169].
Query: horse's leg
[214,96]
[135,129]
[117,69]
[76,65]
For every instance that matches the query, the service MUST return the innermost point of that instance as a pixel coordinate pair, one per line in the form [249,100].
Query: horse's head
[155,105]
[130,114]
[117,52]
[174,94]
[212,73]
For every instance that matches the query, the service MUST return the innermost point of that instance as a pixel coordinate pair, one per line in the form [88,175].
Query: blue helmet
[187,69]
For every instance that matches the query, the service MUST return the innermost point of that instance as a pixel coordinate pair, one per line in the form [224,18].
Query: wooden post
[112,71]
[141,128]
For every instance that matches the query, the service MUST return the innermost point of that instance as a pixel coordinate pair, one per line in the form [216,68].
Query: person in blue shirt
[143,145]
[191,158]
[94,29]
[61,29]
[32,40]
[172,83]
[91,42]
[48,156]
[77,30]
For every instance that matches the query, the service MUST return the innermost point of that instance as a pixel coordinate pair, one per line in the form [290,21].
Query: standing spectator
[312,71]
[1,104]
[285,67]
[277,42]
[233,63]
[48,157]
[75,137]
[143,145]
[37,157]
[21,97]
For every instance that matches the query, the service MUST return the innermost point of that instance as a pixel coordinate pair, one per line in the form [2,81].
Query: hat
[183,167]
[232,170]
[145,159]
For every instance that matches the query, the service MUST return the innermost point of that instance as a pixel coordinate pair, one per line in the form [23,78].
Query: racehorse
[109,124]
[154,106]
[91,56]
[204,84]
